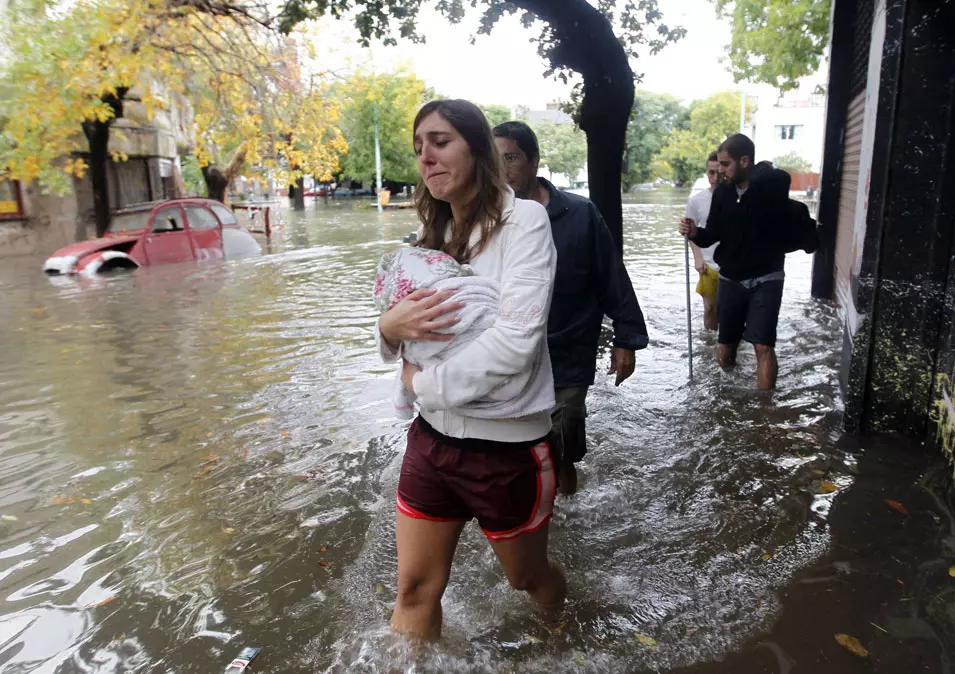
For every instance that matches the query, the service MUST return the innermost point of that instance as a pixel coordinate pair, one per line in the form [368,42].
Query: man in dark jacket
[750,218]
[591,282]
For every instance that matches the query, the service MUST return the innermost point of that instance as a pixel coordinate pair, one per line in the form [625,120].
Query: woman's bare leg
[527,567]
[425,552]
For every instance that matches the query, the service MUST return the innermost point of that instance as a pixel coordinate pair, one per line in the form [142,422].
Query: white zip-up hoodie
[522,258]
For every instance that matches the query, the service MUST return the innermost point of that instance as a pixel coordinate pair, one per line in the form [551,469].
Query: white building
[794,122]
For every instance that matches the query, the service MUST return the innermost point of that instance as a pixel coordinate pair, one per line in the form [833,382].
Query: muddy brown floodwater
[198,458]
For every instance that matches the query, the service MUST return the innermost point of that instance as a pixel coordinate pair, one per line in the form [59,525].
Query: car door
[206,234]
[167,239]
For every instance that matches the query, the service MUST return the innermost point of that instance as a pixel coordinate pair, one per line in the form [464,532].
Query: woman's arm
[509,346]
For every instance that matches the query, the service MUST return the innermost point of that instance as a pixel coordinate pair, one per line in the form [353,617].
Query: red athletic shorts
[508,487]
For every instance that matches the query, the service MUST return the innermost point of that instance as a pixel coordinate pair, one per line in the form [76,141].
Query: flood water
[198,458]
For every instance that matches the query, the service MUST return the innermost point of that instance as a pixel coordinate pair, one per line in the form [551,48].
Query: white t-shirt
[697,209]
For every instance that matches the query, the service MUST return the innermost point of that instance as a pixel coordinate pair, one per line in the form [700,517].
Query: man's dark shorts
[749,313]
[569,423]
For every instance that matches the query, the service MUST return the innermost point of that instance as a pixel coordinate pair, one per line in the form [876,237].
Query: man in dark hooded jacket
[751,219]
[591,282]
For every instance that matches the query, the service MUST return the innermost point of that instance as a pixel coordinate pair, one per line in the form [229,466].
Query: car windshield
[128,222]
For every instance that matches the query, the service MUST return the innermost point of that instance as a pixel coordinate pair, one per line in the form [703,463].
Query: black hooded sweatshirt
[752,229]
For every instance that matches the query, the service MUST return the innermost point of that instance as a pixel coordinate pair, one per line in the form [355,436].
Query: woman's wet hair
[487,205]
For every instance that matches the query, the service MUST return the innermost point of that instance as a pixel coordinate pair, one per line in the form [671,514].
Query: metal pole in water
[689,320]
[378,160]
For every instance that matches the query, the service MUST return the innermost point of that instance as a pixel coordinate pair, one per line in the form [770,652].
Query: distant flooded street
[198,458]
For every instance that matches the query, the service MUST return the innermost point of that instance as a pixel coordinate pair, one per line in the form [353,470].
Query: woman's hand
[419,316]
[408,371]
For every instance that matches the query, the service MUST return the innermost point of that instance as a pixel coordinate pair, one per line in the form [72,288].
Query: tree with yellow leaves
[72,68]
[274,121]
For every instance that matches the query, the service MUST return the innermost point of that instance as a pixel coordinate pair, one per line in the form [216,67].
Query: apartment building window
[11,201]
[788,131]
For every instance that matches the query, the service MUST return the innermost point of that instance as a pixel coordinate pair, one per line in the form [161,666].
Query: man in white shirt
[697,209]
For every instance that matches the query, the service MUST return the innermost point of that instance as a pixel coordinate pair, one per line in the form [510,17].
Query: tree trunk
[296,194]
[97,135]
[217,182]
[587,45]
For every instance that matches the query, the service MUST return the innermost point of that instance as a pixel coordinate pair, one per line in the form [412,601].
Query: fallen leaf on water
[63,500]
[209,434]
[820,473]
[323,548]
[852,645]
[9,518]
[644,640]
[284,434]
[102,603]
[768,556]
[323,563]
[897,506]
[827,487]
[531,639]
[212,458]
[379,588]
[951,569]
[229,530]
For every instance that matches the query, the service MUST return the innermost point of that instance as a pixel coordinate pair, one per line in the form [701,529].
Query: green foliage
[683,156]
[793,163]
[655,117]
[497,114]
[776,41]
[397,97]
[563,148]
[192,177]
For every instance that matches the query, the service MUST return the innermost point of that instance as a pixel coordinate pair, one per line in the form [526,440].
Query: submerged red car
[176,230]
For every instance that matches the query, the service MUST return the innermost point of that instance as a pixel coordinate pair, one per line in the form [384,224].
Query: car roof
[152,205]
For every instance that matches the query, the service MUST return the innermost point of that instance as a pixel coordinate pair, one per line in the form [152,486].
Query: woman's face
[444,158]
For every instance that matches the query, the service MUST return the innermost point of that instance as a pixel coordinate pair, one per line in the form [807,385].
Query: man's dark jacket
[591,282]
[755,230]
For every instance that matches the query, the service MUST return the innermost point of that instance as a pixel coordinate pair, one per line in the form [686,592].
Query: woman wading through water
[460,465]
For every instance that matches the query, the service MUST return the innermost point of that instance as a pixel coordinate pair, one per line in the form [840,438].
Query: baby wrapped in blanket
[409,269]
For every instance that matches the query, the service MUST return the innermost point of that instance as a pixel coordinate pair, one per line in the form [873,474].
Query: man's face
[732,170]
[520,171]
[713,172]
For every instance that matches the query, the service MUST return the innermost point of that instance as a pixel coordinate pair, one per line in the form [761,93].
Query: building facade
[791,123]
[887,213]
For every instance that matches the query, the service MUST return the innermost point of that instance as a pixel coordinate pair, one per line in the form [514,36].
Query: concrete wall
[51,223]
